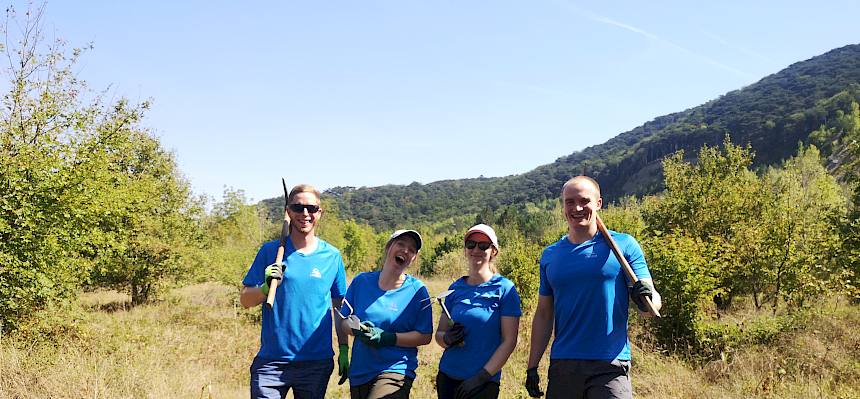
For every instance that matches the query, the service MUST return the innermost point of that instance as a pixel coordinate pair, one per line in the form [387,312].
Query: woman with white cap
[395,320]
[484,321]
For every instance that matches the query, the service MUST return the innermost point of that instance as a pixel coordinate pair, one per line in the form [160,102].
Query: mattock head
[352,321]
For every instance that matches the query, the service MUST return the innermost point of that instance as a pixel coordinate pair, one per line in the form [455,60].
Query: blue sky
[366,93]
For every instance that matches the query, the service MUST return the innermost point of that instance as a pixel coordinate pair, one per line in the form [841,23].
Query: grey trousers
[589,379]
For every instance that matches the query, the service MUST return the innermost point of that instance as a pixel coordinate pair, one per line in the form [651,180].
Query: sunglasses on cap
[483,245]
[298,208]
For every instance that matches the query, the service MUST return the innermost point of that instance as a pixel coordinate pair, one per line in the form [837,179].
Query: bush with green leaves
[87,196]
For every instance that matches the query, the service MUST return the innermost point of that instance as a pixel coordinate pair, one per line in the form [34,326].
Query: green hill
[772,116]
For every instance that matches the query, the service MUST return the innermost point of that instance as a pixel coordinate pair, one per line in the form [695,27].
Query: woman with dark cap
[395,318]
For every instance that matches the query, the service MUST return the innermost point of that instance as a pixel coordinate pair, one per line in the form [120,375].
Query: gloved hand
[374,336]
[641,288]
[455,335]
[473,385]
[533,383]
[343,363]
[274,271]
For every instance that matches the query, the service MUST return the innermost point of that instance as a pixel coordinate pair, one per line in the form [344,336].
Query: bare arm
[441,329]
[342,339]
[510,330]
[541,329]
[251,296]
[413,339]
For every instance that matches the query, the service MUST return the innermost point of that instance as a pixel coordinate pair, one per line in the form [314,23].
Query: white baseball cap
[412,233]
[482,228]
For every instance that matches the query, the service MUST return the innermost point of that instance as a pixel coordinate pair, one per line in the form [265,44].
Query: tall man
[295,339]
[583,295]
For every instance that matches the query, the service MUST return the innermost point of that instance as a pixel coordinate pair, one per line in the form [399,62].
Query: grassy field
[197,343]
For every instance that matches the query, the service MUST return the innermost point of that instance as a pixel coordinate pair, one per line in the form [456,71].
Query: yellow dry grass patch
[198,343]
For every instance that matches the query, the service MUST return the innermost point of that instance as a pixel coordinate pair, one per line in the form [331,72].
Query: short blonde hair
[577,179]
[303,188]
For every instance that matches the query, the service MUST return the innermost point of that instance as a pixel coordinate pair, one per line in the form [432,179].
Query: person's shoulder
[623,239]
[414,283]
[503,281]
[326,246]
[414,280]
[555,246]
[364,276]
[270,245]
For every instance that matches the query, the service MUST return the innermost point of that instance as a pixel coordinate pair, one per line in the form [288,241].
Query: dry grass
[198,344]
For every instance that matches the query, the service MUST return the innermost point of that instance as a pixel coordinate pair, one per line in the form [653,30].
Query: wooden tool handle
[624,265]
[285,233]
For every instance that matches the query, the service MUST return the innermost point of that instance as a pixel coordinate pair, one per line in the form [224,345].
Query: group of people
[583,300]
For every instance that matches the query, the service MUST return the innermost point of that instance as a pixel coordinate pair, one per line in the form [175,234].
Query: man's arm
[251,296]
[542,325]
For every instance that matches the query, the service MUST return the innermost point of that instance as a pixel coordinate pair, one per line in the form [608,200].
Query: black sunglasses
[299,208]
[483,245]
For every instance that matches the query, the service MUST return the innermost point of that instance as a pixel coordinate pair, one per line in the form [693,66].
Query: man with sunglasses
[583,294]
[295,338]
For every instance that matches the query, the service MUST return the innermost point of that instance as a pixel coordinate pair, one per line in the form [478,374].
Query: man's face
[301,218]
[581,200]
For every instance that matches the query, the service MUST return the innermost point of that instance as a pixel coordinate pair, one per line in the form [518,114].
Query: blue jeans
[272,379]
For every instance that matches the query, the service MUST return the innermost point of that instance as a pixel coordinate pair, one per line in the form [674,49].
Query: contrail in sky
[649,35]
[597,18]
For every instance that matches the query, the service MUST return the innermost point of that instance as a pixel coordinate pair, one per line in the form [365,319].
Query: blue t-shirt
[590,293]
[299,327]
[402,310]
[480,309]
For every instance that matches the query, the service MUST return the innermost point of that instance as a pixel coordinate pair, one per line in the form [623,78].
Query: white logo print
[315,273]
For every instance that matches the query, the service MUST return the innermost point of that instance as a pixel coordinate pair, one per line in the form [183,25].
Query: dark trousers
[446,387]
[383,386]
[272,379]
[589,379]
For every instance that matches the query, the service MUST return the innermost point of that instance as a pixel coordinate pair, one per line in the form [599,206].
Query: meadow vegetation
[115,281]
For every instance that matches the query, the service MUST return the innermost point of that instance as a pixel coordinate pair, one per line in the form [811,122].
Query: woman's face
[476,256]
[401,253]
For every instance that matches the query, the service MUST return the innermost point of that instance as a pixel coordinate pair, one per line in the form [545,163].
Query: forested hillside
[771,116]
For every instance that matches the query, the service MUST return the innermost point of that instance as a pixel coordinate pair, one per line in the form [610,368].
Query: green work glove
[273,272]
[639,289]
[375,337]
[343,363]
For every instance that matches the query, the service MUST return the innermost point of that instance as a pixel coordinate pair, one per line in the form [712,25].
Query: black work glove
[641,288]
[455,335]
[473,385]
[533,383]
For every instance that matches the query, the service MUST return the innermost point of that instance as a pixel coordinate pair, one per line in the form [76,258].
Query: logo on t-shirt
[316,273]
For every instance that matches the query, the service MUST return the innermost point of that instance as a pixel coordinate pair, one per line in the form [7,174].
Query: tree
[714,201]
[800,236]
[86,194]
[356,250]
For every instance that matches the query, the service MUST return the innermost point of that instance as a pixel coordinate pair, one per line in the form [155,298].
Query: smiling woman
[480,326]
[396,320]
